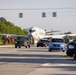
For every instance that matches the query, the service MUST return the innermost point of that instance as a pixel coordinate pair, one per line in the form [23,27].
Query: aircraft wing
[59,36]
[12,35]
[54,36]
[52,31]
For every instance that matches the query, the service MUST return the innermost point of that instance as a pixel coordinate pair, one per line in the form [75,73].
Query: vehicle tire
[29,46]
[19,46]
[50,50]
[25,46]
[63,50]
[15,46]
[37,46]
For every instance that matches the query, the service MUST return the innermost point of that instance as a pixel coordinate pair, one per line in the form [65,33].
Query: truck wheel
[19,46]
[15,46]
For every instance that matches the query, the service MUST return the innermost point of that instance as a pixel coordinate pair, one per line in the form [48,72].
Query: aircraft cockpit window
[31,31]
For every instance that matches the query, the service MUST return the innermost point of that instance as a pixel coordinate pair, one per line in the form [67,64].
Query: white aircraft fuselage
[37,33]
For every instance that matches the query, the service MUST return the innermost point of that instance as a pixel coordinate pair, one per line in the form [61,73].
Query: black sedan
[43,43]
[71,49]
[22,42]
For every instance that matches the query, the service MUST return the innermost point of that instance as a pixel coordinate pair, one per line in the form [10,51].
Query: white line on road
[46,64]
[56,64]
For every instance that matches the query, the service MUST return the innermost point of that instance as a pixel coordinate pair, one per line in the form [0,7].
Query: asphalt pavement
[35,61]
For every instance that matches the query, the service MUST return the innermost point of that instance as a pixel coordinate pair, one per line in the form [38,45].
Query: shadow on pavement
[37,58]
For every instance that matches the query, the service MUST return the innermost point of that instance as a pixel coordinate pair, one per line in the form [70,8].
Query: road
[35,61]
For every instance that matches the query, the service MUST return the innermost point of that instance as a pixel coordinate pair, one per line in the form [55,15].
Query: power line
[38,8]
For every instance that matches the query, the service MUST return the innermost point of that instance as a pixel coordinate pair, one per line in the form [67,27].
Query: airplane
[36,33]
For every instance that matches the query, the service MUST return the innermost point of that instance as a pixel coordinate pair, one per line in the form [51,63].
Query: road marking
[46,64]
[56,64]
[64,64]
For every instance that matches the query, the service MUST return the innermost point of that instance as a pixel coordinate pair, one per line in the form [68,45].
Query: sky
[32,10]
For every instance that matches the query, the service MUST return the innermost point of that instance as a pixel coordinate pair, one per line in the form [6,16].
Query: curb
[6,46]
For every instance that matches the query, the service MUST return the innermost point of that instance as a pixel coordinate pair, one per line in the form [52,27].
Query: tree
[68,32]
[25,31]
[2,19]
[7,27]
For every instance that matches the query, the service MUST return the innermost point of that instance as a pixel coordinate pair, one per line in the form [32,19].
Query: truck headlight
[70,46]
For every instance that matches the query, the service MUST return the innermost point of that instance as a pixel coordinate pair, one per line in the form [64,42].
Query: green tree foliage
[68,32]
[25,31]
[7,27]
